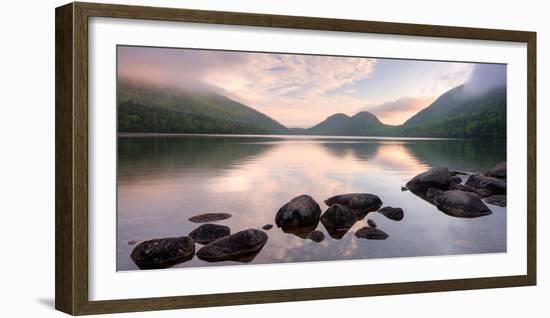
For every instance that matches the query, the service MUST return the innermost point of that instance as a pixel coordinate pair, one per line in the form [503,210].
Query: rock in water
[316,236]
[395,214]
[499,200]
[455,180]
[207,233]
[302,211]
[461,204]
[498,171]
[431,194]
[362,202]
[338,219]
[163,253]
[437,177]
[487,185]
[209,217]
[233,247]
[462,187]
[371,233]
[371,223]
[267,227]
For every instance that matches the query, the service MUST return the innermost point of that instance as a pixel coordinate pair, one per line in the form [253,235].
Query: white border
[105,283]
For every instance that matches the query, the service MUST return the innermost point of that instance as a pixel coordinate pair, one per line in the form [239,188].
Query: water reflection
[162,181]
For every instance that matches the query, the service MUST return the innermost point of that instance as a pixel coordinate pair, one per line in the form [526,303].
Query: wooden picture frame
[71,90]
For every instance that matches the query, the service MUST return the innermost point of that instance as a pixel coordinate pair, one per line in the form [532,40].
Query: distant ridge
[457,113]
[147,108]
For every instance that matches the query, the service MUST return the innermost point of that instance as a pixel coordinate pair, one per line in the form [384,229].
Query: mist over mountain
[476,109]
[148,108]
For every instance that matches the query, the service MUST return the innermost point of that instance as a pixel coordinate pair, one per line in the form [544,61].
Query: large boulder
[209,217]
[207,233]
[486,186]
[498,199]
[300,212]
[461,204]
[233,247]
[371,233]
[163,253]
[338,219]
[437,177]
[359,202]
[498,171]
[391,213]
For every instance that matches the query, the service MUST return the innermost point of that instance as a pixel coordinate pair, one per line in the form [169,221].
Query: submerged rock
[498,171]
[498,199]
[300,212]
[437,177]
[207,233]
[359,202]
[371,233]
[461,204]
[371,223]
[132,242]
[163,253]
[338,219]
[209,217]
[391,213]
[486,185]
[316,236]
[233,247]
[267,227]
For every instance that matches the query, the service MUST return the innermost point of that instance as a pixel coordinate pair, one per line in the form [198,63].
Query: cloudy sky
[302,90]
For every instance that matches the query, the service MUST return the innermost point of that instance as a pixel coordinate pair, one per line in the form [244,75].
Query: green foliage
[455,114]
[136,118]
[189,107]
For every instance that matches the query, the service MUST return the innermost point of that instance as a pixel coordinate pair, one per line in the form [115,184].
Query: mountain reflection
[162,181]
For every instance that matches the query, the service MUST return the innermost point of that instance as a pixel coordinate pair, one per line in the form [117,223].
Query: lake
[164,180]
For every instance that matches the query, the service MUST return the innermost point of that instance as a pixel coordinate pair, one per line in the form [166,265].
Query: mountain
[147,108]
[360,124]
[461,113]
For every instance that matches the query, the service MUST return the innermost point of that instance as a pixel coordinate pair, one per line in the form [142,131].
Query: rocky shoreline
[455,193]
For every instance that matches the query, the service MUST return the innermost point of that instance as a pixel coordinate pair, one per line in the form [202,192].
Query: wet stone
[301,211]
[362,202]
[499,200]
[209,217]
[234,247]
[371,223]
[498,171]
[207,233]
[163,253]
[392,213]
[437,177]
[461,204]
[371,233]
[316,236]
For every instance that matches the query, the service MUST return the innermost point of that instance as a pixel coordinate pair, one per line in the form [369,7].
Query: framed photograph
[211,158]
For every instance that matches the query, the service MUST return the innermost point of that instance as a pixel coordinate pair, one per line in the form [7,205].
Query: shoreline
[284,136]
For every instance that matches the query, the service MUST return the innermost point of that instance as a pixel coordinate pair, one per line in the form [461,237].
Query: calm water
[162,181]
